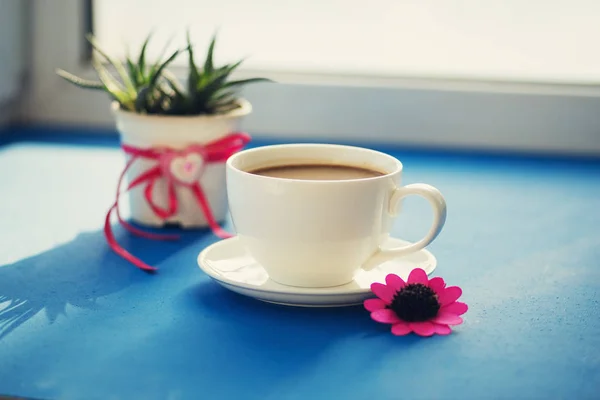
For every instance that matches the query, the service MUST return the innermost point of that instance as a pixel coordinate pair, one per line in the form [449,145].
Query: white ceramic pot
[177,132]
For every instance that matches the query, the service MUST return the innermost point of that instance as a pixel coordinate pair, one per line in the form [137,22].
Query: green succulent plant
[150,88]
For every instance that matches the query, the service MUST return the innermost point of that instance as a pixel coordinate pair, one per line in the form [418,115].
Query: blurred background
[501,75]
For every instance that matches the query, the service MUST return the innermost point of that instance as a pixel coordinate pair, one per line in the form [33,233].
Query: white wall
[520,116]
[12,19]
[495,40]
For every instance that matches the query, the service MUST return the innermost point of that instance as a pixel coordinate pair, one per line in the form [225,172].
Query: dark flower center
[415,302]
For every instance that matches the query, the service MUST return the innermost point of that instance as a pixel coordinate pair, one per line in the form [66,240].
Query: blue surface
[76,321]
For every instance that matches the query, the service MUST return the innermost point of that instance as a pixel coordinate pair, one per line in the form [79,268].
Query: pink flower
[421,305]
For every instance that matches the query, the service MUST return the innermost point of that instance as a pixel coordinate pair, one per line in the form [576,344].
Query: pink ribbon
[177,167]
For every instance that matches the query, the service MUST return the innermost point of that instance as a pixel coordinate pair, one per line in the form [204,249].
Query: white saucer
[229,264]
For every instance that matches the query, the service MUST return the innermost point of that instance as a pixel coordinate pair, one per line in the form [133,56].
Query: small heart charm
[185,167]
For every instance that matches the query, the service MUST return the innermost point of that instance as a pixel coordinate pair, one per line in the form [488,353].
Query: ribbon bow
[177,167]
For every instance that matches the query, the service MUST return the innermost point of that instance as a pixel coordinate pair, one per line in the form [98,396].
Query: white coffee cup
[316,233]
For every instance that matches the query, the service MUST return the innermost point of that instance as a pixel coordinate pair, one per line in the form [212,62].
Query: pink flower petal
[437,284]
[442,329]
[424,328]
[394,282]
[449,295]
[401,329]
[374,304]
[383,292]
[417,275]
[446,318]
[457,308]
[385,316]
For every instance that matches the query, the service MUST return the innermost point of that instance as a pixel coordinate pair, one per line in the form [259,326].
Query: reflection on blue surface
[76,321]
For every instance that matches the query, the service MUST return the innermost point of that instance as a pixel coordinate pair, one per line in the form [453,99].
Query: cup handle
[438,204]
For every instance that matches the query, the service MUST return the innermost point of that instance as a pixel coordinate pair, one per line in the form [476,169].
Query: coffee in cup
[318,172]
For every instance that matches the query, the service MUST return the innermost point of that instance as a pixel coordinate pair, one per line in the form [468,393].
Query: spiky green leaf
[208,63]
[157,73]
[134,72]
[115,63]
[227,69]
[194,75]
[142,56]
[80,82]
[212,82]
[156,65]
[240,82]
[113,86]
